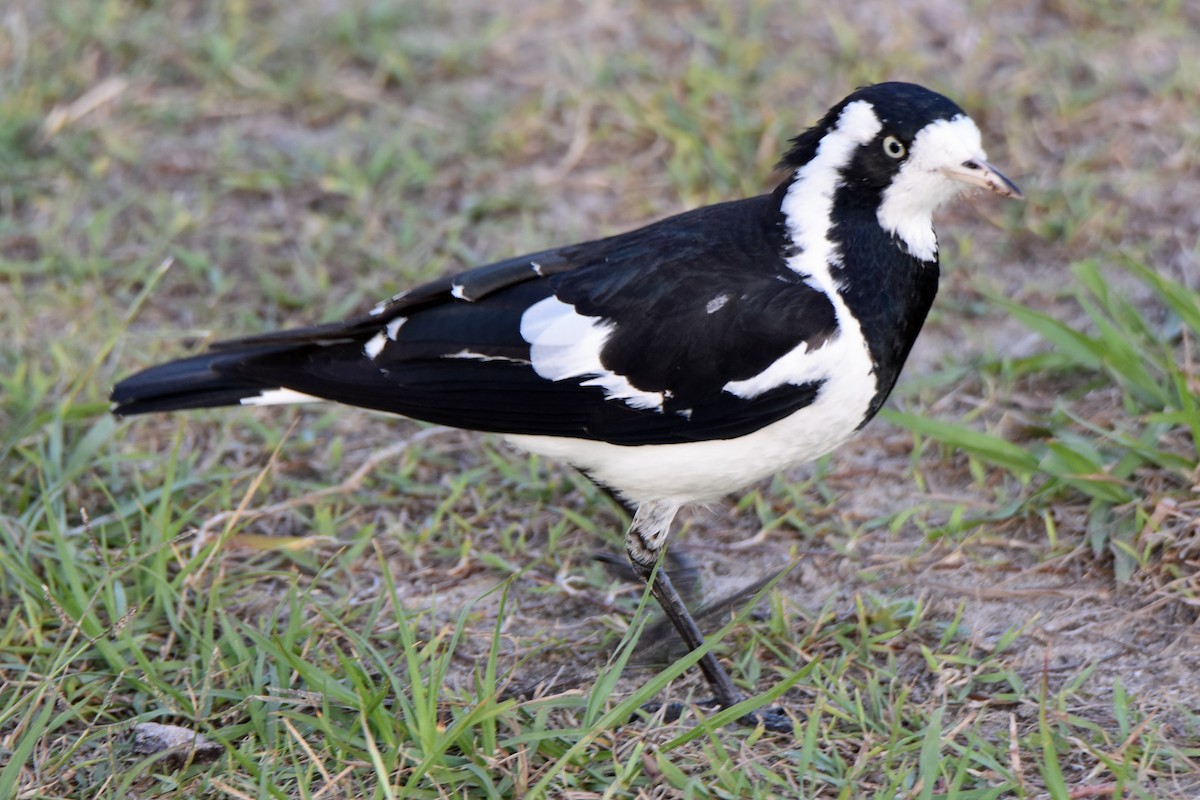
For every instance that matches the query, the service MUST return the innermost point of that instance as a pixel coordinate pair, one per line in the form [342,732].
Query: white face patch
[279,397]
[565,344]
[920,186]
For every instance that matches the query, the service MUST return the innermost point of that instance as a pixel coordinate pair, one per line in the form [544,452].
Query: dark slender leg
[645,541]
[725,693]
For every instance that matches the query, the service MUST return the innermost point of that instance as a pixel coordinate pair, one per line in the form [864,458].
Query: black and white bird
[672,364]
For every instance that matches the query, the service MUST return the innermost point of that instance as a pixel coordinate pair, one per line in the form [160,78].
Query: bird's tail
[205,381]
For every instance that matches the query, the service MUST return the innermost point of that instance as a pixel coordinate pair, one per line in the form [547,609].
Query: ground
[955,628]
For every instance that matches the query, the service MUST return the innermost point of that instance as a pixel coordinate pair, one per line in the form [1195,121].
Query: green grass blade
[984,446]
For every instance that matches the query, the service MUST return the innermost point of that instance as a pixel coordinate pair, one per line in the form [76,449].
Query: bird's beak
[978,172]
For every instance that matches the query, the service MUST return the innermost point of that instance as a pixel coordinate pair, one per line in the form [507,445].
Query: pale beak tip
[1006,188]
[981,173]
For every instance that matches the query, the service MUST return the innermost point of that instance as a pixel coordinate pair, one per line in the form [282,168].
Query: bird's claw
[774,719]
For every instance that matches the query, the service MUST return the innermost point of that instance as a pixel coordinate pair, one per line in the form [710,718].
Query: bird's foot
[774,719]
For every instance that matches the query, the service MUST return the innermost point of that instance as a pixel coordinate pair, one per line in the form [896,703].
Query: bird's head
[901,148]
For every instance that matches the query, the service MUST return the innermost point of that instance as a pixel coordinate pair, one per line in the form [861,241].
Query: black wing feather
[694,302]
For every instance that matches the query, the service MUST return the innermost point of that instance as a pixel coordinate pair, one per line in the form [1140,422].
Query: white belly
[697,471]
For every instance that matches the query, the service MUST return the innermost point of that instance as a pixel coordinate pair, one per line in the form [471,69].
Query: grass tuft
[1124,440]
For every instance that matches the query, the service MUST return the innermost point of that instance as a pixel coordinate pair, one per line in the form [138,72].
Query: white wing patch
[473,356]
[383,306]
[374,345]
[280,397]
[717,303]
[394,326]
[797,367]
[565,344]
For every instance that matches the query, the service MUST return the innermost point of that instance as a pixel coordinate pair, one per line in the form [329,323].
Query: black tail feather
[203,381]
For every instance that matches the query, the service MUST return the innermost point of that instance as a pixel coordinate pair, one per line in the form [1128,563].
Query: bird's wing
[634,339]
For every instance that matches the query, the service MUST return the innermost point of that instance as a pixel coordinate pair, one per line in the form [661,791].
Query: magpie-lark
[672,364]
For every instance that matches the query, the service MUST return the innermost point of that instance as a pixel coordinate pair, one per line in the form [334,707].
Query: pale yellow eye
[894,147]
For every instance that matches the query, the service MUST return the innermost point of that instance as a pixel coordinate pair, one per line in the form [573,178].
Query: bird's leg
[645,541]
